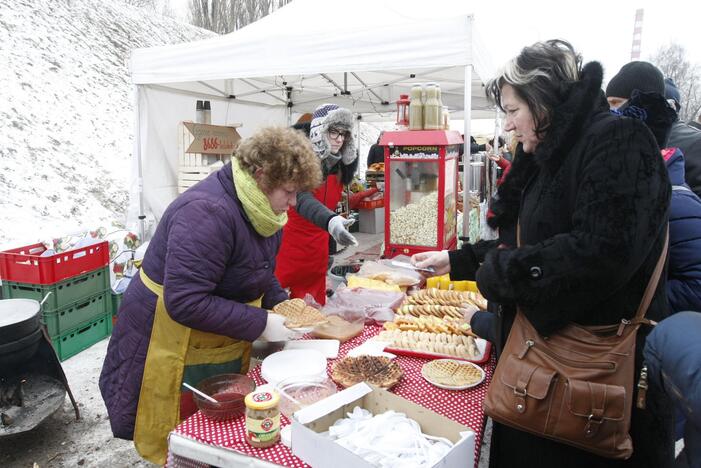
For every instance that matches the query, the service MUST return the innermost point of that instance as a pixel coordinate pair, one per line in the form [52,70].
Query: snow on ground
[66,119]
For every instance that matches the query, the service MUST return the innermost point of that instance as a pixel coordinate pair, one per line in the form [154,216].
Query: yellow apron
[177,353]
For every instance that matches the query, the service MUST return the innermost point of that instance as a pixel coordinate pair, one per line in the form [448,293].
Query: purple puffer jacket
[211,262]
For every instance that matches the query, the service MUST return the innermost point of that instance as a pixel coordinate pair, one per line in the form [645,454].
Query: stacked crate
[194,167]
[77,311]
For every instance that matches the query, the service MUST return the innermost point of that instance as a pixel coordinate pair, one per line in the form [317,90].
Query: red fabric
[668,153]
[506,168]
[304,254]
[356,198]
[463,406]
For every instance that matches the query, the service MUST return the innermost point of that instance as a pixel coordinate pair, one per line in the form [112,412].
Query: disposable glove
[338,228]
[275,329]
[439,260]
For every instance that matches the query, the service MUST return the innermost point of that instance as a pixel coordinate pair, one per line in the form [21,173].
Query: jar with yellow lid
[262,418]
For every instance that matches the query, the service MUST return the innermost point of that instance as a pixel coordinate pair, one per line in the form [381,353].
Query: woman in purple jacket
[204,287]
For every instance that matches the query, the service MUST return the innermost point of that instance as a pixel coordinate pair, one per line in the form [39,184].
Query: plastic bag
[370,304]
[383,270]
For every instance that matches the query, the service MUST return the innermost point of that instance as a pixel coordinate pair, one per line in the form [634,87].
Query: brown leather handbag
[575,386]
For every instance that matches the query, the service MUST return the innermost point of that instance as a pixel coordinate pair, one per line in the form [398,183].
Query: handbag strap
[654,279]
[651,284]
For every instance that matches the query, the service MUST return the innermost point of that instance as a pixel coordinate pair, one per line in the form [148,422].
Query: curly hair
[284,155]
[540,76]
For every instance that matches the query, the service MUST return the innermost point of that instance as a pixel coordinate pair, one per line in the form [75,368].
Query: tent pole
[466,167]
[137,148]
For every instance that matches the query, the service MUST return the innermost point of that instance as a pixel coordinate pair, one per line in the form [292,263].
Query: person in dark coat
[202,292]
[591,194]
[687,138]
[376,153]
[673,355]
[639,91]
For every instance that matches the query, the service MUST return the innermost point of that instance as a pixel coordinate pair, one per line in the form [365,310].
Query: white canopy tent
[360,55]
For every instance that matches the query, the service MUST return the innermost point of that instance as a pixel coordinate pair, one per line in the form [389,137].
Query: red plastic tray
[426,355]
[25,264]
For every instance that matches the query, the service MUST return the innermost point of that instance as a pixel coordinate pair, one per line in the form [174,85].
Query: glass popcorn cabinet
[421,171]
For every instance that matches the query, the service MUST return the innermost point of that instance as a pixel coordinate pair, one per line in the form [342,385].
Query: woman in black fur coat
[592,196]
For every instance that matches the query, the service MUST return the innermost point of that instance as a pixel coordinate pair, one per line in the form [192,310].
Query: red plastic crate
[25,265]
[371,204]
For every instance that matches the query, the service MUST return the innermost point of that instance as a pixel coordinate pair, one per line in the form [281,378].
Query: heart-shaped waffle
[452,373]
[298,314]
[377,370]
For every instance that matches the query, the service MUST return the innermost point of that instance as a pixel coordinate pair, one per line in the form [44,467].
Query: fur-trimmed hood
[582,99]
[329,116]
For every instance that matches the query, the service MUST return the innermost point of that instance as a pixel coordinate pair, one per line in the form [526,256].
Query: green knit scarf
[256,203]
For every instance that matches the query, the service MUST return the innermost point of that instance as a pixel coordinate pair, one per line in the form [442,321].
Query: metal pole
[137,148]
[466,168]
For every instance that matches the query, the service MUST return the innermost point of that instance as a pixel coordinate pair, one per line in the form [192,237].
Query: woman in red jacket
[304,255]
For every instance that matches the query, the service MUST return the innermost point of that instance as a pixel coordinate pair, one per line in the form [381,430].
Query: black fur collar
[582,99]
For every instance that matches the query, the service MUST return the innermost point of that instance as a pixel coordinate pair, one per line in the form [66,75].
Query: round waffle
[298,314]
[452,374]
[376,370]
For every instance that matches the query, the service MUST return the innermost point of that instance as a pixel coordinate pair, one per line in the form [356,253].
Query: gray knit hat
[329,116]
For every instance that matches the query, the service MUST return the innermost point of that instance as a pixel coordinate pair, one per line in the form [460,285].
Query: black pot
[18,318]
[21,350]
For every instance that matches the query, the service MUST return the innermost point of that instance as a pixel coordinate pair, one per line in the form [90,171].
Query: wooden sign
[212,139]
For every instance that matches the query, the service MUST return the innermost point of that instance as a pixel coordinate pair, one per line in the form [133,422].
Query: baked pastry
[459,346]
[298,314]
[452,373]
[447,298]
[377,370]
[430,323]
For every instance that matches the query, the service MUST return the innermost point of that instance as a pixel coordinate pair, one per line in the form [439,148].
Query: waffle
[298,314]
[377,370]
[451,373]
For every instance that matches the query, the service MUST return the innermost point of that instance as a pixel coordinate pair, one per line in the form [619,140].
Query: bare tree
[151,4]
[671,60]
[225,16]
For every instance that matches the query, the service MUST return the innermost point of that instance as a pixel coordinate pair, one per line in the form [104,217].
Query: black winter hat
[643,76]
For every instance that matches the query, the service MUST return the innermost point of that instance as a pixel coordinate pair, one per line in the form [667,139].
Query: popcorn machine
[421,170]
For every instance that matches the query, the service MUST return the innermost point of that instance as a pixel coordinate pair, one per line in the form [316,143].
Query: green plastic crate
[64,293]
[72,342]
[116,300]
[79,312]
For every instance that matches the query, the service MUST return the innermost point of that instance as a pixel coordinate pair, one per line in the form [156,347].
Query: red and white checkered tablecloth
[463,406]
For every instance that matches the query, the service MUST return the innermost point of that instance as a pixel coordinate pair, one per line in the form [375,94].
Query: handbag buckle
[590,429]
[521,399]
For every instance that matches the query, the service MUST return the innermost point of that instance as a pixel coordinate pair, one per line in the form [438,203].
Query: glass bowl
[298,392]
[229,390]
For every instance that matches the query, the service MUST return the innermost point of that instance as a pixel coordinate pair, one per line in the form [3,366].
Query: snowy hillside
[66,119]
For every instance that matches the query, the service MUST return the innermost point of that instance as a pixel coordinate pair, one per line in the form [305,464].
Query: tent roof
[358,54]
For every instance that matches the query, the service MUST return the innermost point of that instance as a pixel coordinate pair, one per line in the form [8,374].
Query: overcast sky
[599,30]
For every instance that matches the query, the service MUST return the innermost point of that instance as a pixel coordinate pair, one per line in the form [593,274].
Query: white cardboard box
[322,452]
